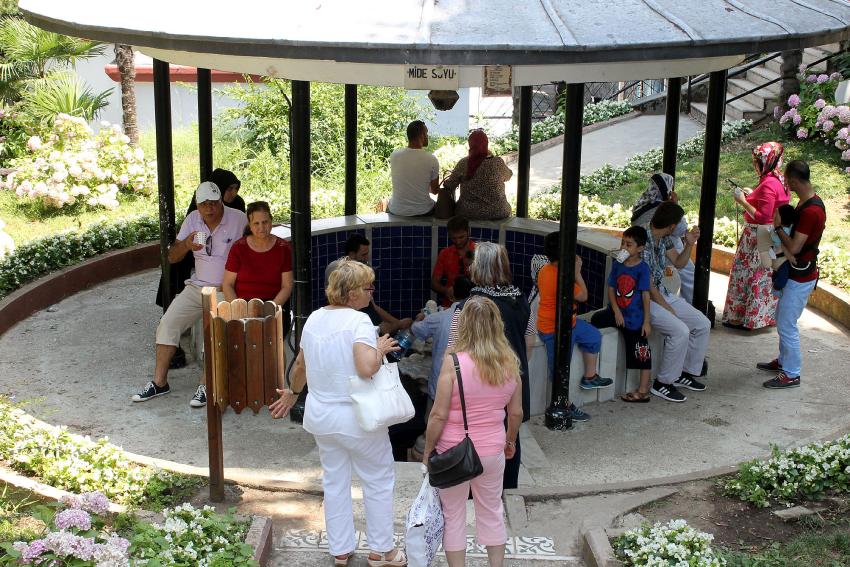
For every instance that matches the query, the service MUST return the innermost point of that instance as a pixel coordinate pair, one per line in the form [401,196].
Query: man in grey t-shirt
[415,174]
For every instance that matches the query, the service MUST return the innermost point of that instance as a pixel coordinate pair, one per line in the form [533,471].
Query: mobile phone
[732,183]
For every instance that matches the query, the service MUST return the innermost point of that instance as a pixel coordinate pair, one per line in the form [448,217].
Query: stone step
[308,548]
[738,109]
[761,75]
[757,98]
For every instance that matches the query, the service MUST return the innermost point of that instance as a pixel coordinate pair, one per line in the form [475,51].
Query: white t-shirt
[328,343]
[412,172]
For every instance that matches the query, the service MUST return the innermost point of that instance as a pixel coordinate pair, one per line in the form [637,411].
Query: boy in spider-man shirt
[628,309]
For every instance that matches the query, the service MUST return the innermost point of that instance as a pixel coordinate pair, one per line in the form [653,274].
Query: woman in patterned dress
[481,177]
[750,302]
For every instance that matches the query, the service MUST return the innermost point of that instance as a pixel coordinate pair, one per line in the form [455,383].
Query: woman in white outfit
[338,342]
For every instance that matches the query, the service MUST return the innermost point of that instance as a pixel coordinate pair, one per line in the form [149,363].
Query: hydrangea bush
[76,463]
[79,538]
[75,166]
[672,544]
[813,114]
[191,537]
[802,473]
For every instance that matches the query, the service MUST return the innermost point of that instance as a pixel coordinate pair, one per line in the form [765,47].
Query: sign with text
[432,77]
[497,80]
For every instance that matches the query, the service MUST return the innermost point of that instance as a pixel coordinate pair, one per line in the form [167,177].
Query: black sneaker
[577,414]
[690,382]
[667,392]
[782,381]
[199,400]
[772,366]
[150,391]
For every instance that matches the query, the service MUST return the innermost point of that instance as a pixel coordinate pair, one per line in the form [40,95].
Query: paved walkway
[613,145]
[79,362]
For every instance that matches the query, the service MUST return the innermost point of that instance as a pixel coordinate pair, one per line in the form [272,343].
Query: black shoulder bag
[461,462]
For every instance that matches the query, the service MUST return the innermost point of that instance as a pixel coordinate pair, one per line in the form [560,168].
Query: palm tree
[28,52]
[127,69]
[61,91]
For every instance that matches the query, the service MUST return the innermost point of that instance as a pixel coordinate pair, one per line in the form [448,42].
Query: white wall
[184,101]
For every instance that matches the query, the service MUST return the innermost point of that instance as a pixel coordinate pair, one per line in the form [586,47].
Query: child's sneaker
[595,383]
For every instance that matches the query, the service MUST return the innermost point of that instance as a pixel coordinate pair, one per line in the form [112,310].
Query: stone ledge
[596,549]
[56,286]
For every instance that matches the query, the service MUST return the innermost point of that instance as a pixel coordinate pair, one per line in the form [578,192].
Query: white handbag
[381,400]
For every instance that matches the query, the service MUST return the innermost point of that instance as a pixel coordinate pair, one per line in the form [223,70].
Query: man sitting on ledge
[357,248]
[415,173]
[220,226]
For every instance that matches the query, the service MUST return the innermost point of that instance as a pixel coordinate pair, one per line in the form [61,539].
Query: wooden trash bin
[244,363]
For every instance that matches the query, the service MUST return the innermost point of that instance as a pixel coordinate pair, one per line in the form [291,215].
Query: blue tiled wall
[401,257]
[325,249]
[522,246]
[476,233]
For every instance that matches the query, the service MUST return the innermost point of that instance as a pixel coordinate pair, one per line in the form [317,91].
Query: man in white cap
[208,233]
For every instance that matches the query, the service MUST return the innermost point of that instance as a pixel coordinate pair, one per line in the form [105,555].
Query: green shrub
[788,476]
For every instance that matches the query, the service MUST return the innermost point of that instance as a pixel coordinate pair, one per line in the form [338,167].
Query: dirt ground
[738,525]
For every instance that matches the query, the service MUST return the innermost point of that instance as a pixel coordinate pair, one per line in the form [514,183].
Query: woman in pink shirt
[490,373]
[750,302]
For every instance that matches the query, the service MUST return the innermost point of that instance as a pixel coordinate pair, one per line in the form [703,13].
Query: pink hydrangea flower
[785,118]
[820,103]
[802,68]
[802,133]
[847,170]
[835,76]
[812,79]
[73,518]
[797,119]
[822,78]
[33,551]
[794,101]
[844,114]
[842,133]
[828,126]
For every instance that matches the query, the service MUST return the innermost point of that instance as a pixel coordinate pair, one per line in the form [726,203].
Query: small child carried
[628,308]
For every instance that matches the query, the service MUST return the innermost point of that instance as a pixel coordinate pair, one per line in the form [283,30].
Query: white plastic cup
[200,238]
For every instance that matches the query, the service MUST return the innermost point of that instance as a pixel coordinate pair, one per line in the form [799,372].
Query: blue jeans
[586,335]
[793,300]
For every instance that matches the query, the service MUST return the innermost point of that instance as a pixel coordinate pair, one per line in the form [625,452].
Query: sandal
[636,397]
[342,560]
[399,559]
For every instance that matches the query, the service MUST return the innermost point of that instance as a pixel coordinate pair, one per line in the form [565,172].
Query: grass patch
[828,547]
[17,519]
[736,163]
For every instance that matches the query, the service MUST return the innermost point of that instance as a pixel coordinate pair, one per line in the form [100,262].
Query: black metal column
[671,125]
[557,414]
[524,153]
[300,198]
[164,171]
[350,149]
[708,197]
[205,142]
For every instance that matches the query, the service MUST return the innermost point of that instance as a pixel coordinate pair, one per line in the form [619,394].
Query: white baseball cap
[207,191]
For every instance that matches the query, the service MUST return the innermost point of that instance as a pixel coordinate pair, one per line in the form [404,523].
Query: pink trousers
[487,499]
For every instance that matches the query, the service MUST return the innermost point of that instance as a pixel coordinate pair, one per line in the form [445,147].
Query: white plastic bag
[381,401]
[424,532]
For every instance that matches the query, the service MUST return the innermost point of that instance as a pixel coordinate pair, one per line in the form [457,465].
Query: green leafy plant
[61,91]
[794,474]
[75,463]
[673,543]
[191,537]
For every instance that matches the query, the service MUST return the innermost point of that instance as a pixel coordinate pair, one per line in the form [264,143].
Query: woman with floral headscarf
[481,177]
[750,303]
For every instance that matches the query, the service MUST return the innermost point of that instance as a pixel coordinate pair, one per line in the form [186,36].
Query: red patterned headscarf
[478,150]
[768,158]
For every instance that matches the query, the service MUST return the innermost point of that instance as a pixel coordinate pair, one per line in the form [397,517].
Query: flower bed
[76,463]
[81,535]
[39,257]
[813,114]
[803,473]
[673,543]
[75,166]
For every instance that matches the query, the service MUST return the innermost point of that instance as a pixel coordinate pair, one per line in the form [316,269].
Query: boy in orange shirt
[586,335]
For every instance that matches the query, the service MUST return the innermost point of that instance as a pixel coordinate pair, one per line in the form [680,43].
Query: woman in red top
[750,302]
[260,264]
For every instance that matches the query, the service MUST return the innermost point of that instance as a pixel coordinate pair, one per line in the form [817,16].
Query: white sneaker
[199,400]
